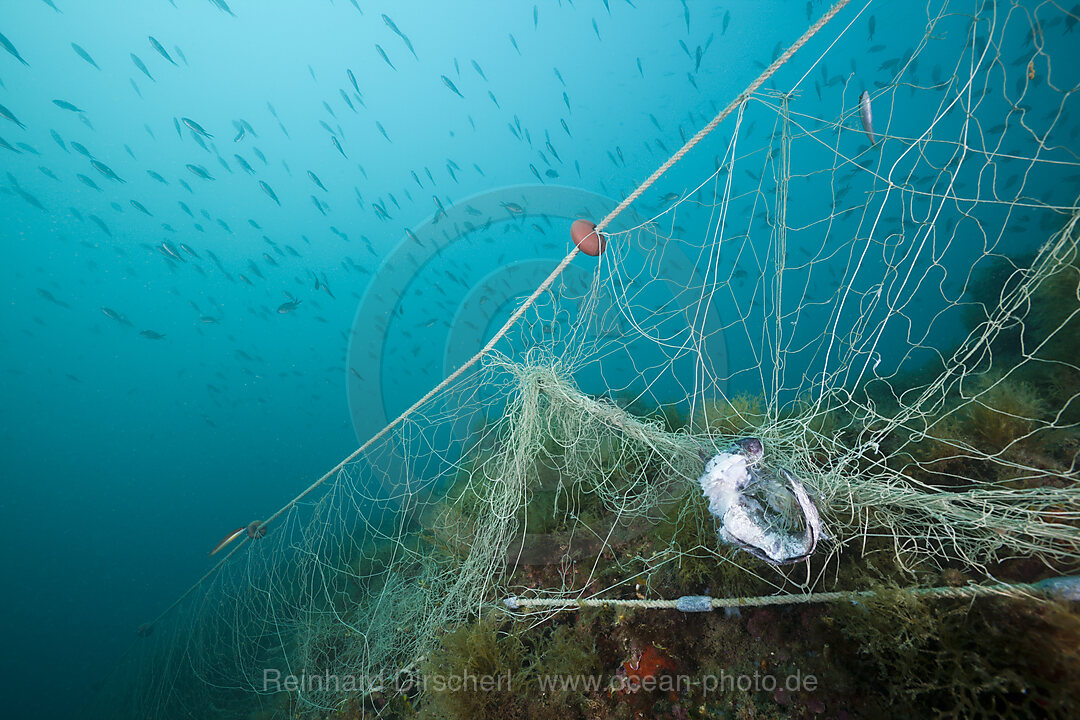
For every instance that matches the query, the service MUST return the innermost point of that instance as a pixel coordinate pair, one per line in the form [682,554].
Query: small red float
[586,238]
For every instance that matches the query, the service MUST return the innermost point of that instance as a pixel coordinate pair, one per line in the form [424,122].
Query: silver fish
[390,24]
[240,531]
[87,181]
[7,45]
[161,50]
[337,144]
[384,57]
[84,55]
[453,88]
[8,115]
[269,191]
[244,165]
[141,65]
[106,171]
[195,127]
[65,105]
[224,7]
[199,171]
[866,116]
[113,315]
[167,250]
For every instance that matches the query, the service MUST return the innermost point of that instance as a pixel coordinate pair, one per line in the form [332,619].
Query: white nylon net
[896,322]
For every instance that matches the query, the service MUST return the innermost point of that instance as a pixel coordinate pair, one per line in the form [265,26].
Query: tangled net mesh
[894,321]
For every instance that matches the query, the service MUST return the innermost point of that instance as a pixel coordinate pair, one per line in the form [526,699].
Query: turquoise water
[176,347]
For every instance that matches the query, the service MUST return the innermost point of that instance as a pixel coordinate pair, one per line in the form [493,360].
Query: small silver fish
[8,115]
[866,116]
[83,54]
[269,191]
[382,53]
[199,171]
[337,145]
[65,105]
[167,250]
[228,539]
[196,127]
[452,86]
[113,315]
[6,44]
[106,171]
[141,65]
[161,50]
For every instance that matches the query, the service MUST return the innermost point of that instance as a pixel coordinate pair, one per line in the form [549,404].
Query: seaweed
[739,416]
[996,658]
[476,672]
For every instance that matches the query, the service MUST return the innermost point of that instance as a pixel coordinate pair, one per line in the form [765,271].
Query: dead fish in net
[768,514]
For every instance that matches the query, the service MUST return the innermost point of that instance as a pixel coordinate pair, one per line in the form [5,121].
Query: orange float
[586,238]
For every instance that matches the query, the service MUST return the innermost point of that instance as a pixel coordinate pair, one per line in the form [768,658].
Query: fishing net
[897,322]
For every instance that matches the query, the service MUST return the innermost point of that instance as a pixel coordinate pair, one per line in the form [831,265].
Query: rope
[740,99]
[1059,588]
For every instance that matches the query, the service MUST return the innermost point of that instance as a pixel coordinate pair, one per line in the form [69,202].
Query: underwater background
[196,196]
